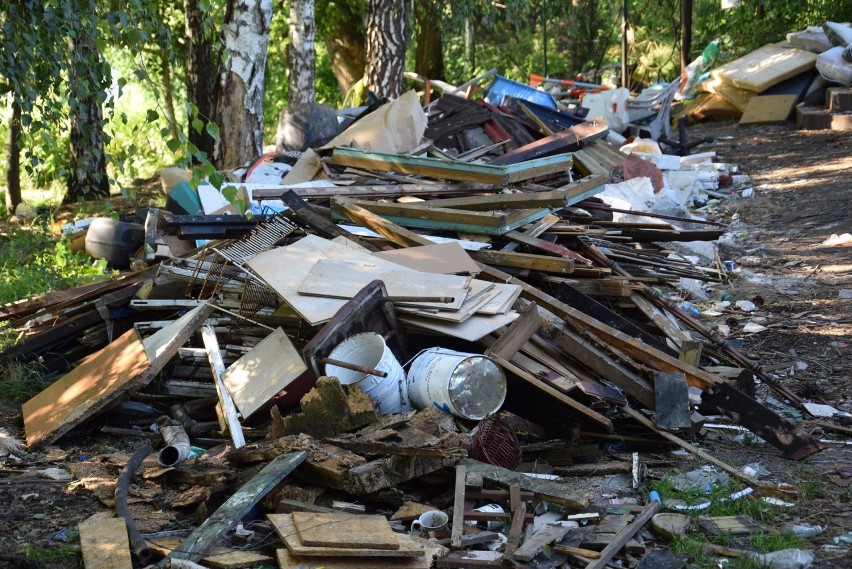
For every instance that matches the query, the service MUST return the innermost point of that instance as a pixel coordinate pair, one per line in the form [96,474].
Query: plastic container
[470,386]
[390,394]
[115,241]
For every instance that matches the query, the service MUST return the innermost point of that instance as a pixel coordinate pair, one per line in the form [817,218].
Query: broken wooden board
[527,261]
[545,536]
[781,433]
[259,375]
[229,418]
[625,535]
[437,168]
[767,109]
[390,231]
[286,529]
[287,560]
[568,140]
[216,558]
[104,543]
[100,379]
[733,525]
[550,490]
[232,511]
[671,400]
[344,530]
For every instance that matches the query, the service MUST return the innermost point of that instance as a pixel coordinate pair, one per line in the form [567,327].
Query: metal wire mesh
[224,264]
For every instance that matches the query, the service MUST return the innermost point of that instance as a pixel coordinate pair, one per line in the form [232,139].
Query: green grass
[61,556]
[765,542]
[19,382]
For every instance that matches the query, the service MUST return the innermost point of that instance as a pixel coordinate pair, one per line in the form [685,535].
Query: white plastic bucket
[470,386]
[390,393]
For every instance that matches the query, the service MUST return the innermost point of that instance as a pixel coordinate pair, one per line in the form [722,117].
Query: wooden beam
[544,263]
[389,230]
[238,505]
[458,506]
[231,418]
[322,225]
[437,168]
[572,497]
[542,245]
[625,535]
[568,140]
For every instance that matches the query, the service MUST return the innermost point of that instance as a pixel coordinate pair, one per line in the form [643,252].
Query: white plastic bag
[615,113]
[833,67]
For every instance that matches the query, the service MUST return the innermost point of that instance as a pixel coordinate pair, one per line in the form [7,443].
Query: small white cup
[431,521]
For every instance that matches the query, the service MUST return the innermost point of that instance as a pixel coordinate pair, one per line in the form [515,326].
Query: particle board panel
[283,524]
[344,530]
[471,329]
[287,560]
[259,375]
[99,379]
[216,558]
[764,67]
[765,109]
[445,258]
[104,543]
[344,279]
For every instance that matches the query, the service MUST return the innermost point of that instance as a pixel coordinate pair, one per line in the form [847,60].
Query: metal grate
[225,263]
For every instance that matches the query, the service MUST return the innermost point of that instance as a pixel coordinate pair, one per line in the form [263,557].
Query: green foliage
[717,496]
[768,541]
[32,263]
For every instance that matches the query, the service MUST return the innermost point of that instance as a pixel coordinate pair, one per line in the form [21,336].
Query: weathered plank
[671,400]
[104,543]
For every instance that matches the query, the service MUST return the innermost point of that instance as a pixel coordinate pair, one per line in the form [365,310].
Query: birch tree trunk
[385,47]
[239,91]
[301,56]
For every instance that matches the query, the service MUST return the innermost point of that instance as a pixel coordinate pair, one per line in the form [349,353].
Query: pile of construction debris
[411,306]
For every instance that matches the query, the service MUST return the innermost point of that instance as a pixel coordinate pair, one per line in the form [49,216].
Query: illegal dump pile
[420,359]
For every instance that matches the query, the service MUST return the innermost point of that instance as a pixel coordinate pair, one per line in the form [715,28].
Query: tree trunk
[428,54]
[685,35]
[87,163]
[345,47]
[239,90]
[200,73]
[13,164]
[168,99]
[385,47]
[301,58]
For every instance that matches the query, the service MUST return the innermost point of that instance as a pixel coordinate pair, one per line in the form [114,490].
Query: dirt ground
[781,242]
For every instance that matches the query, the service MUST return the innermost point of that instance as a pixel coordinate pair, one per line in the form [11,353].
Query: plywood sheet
[764,67]
[344,530]
[285,268]
[446,258]
[100,378]
[263,372]
[283,524]
[769,109]
[471,329]
[343,279]
[104,543]
[287,560]
[216,558]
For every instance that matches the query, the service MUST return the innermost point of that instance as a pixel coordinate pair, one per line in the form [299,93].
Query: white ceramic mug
[433,520]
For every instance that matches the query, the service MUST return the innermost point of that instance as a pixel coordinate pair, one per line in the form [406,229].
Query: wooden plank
[387,229]
[104,543]
[606,286]
[519,510]
[217,366]
[216,558]
[574,498]
[320,223]
[238,505]
[542,245]
[765,109]
[565,141]
[637,416]
[437,168]
[622,537]
[344,530]
[733,525]
[746,411]
[283,524]
[287,560]
[458,506]
[557,265]
[545,536]
[671,400]
[253,380]
[517,334]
